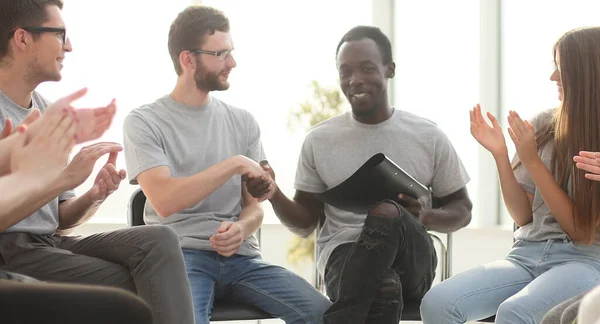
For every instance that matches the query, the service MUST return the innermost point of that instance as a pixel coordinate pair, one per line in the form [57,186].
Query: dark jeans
[393,261]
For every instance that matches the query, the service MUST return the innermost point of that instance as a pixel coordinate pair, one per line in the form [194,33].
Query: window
[437,74]
[119,51]
[527,60]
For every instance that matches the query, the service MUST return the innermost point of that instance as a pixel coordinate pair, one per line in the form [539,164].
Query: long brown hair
[575,125]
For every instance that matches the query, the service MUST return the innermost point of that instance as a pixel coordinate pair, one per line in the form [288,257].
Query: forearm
[555,197]
[293,214]
[251,218]
[6,146]
[448,218]
[515,198]
[22,196]
[174,195]
[76,211]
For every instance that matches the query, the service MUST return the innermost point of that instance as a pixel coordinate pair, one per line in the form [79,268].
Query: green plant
[322,104]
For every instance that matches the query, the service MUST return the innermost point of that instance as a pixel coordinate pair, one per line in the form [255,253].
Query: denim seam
[155,304]
[344,267]
[260,291]
[108,246]
[484,291]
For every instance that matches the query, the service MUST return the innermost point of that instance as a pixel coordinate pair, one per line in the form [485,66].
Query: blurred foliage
[322,104]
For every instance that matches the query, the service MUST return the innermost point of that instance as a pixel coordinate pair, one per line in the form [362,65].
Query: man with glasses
[191,153]
[144,260]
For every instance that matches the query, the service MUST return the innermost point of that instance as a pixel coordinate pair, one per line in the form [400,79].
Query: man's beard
[366,112]
[36,74]
[209,81]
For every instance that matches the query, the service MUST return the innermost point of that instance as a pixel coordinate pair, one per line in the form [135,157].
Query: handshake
[258,177]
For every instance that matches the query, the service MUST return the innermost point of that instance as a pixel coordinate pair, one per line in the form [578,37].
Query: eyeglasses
[221,55]
[61,32]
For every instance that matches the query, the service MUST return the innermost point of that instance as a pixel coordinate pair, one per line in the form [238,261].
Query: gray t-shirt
[544,226]
[45,220]
[189,140]
[334,149]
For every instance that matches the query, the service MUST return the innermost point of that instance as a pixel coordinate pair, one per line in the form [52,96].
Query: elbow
[163,201]
[163,212]
[521,223]
[3,226]
[466,214]
[303,232]
[163,208]
[466,219]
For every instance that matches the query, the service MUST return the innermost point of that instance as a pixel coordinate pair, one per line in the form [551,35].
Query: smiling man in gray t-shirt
[373,263]
[190,153]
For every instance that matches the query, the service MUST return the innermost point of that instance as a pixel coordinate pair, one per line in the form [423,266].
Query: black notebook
[377,179]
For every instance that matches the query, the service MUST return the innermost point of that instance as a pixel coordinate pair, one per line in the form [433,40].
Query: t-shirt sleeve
[66,195]
[307,175]
[449,174]
[255,149]
[142,146]
[523,177]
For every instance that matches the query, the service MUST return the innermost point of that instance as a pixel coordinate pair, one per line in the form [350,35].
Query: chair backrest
[135,209]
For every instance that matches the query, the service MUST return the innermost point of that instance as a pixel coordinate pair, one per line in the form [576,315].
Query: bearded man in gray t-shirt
[190,153]
[373,264]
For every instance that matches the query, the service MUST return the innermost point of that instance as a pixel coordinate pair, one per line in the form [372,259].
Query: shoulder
[233,111]
[543,118]
[410,119]
[39,101]
[418,125]
[327,127]
[145,113]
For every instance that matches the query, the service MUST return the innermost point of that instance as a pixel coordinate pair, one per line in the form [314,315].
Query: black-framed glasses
[61,32]
[221,55]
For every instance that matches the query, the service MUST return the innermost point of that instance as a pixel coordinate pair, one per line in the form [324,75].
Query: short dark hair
[373,33]
[20,13]
[190,29]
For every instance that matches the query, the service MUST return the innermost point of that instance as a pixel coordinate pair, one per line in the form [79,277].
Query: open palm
[490,137]
[93,122]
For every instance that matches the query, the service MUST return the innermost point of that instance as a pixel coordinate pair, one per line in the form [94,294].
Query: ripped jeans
[393,261]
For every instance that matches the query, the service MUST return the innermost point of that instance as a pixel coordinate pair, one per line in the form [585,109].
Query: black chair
[412,310]
[222,310]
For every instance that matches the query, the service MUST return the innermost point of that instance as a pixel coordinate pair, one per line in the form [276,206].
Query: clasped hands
[263,187]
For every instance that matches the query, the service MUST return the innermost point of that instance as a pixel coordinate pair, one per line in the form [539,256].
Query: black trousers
[393,260]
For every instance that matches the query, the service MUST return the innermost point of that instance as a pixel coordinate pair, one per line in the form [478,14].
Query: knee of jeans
[380,222]
[317,309]
[437,303]
[514,310]
[386,209]
[162,237]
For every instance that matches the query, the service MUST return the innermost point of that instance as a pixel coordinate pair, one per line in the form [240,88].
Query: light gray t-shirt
[45,220]
[544,226]
[189,140]
[334,149]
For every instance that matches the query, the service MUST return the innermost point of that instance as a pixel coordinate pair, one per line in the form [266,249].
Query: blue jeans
[252,281]
[522,288]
